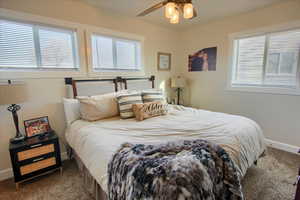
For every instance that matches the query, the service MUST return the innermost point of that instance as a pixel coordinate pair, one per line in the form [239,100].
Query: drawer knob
[36,145]
[38,159]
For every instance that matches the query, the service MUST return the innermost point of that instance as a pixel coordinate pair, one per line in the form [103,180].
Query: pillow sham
[98,107]
[150,109]
[125,100]
[72,110]
[153,95]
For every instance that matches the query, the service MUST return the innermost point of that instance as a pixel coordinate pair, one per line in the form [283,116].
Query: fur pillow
[148,110]
[98,107]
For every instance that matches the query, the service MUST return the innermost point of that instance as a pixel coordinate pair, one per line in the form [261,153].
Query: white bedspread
[96,142]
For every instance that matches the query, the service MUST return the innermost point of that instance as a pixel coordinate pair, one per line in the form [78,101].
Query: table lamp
[12,94]
[178,83]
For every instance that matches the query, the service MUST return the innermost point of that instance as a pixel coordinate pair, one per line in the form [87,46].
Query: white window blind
[270,60]
[16,45]
[115,54]
[24,46]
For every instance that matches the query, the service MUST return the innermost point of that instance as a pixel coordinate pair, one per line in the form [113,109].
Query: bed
[94,143]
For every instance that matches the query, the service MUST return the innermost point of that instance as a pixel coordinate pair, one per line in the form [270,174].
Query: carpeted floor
[272,179]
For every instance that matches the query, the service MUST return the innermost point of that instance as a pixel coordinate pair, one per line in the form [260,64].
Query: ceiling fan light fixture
[170,9]
[188,11]
[175,17]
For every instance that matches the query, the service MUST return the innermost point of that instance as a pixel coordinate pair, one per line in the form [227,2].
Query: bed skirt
[90,184]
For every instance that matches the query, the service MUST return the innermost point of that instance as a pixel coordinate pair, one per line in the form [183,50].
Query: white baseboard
[282,146]
[8,173]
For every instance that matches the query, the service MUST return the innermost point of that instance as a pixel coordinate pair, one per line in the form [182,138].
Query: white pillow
[72,110]
[98,107]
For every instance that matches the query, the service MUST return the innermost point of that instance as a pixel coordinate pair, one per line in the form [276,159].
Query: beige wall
[46,94]
[279,115]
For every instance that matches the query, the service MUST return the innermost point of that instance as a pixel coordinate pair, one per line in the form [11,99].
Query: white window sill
[41,74]
[266,90]
[122,73]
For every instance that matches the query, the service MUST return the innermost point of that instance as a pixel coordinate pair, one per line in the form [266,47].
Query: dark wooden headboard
[118,82]
[126,81]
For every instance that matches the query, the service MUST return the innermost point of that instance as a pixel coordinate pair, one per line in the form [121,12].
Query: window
[269,60]
[115,54]
[30,46]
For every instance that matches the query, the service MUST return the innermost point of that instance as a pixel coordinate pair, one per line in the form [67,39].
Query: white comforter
[96,142]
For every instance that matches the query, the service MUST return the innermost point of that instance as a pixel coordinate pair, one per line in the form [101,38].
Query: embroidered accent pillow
[153,95]
[126,100]
[98,107]
[150,109]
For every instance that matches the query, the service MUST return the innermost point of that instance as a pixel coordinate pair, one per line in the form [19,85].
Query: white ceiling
[207,9]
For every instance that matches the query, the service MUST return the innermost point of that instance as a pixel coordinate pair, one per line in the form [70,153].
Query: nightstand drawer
[35,152]
[35,156]
[26,169]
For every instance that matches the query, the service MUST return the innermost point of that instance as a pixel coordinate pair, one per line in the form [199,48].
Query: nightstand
[35,157]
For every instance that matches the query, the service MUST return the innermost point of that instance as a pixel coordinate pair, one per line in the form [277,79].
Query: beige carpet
[272,179]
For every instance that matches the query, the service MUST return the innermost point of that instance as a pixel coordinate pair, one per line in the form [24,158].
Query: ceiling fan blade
[153,8]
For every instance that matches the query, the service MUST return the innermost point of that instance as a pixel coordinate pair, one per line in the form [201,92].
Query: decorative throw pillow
[150,109]
[98,107]
[153,95]
[125,100]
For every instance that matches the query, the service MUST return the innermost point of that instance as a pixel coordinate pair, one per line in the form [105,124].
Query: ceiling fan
[172,9]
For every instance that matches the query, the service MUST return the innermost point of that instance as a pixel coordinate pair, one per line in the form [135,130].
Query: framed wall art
[163,61]
[203,60]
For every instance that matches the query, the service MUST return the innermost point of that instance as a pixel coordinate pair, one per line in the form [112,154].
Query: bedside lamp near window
[12,94]
[178,83]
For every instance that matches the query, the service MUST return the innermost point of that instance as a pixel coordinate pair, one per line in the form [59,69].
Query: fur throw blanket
[185,170]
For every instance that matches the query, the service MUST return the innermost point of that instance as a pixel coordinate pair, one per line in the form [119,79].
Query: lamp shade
[12,94]
[178,82]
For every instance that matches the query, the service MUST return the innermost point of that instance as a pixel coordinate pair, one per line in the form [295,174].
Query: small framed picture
[37,126]
[163,61]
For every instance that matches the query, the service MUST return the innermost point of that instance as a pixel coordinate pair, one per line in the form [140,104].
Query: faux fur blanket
[185,170]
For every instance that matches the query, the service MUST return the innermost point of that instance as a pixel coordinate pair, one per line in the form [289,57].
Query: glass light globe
[170,9]
[188,11]
[175,17]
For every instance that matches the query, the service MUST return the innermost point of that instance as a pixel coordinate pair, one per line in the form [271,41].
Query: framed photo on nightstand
[37,126]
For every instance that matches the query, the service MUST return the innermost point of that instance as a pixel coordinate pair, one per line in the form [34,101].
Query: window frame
[260,88]
[74,40]
[36,42]
[114,35]
[46,23]
[115,57]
